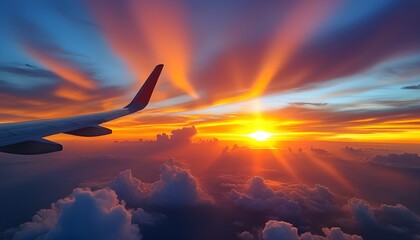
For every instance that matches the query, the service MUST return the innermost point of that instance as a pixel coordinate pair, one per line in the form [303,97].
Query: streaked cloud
[412,87]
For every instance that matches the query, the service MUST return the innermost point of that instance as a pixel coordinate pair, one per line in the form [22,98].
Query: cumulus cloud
[176,187]
[405,160]
[315,200]
[275,230]
[178,136]
[129,188]
[279,230]
[299,204]
[259,197]
[385,221]
[184,134]
[85,214]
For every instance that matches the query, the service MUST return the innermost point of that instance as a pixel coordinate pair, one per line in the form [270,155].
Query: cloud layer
[211,194]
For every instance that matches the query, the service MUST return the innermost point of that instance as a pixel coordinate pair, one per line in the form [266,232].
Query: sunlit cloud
[71,94]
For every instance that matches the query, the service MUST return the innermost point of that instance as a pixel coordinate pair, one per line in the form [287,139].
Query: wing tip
[143,96]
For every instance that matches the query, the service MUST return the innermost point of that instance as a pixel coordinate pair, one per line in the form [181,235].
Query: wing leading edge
[28,137]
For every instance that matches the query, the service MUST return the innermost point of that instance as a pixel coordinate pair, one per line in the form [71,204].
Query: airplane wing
[27,138]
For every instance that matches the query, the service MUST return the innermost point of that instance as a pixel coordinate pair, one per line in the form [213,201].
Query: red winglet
[142,97]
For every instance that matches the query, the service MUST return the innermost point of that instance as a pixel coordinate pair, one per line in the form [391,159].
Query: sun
[260,135]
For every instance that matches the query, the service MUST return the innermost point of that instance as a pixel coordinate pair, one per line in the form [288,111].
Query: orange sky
[299,71]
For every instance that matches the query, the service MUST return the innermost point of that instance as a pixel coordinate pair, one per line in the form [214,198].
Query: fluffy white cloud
[85,214]
[276,230]
[176,187]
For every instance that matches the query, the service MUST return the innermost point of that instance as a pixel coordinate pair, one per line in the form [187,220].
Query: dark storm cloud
[405,160]
[85,214]
[412,87]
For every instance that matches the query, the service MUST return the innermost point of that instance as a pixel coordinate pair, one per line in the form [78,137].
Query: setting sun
[260,135]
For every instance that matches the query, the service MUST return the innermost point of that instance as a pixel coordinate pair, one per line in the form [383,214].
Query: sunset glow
[217,83]
[260,135]
[261,120]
